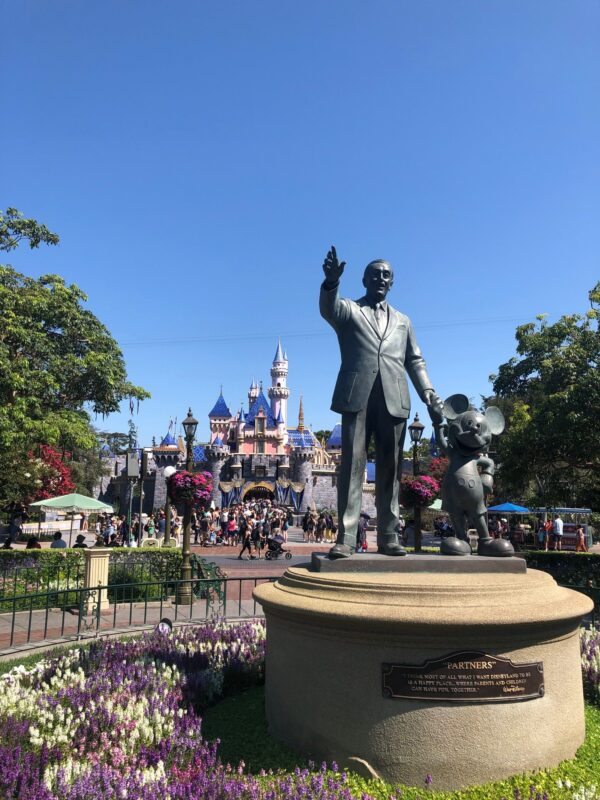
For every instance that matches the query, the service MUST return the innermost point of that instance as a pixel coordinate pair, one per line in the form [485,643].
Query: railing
[49,617]
[127,565]
[34,576]
[46,617]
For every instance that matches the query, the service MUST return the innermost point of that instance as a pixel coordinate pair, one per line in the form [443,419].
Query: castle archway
[259,490]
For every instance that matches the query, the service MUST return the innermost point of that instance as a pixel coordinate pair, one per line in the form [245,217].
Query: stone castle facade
[253,454]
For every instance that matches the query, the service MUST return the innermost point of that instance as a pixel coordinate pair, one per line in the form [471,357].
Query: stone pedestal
[96,574]
[334,629]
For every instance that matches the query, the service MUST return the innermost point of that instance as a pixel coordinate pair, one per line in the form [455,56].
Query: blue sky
[198,159]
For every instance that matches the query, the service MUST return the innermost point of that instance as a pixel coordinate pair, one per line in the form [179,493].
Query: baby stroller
[274,548]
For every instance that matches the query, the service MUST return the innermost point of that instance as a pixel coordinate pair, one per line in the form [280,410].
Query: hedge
[568,569]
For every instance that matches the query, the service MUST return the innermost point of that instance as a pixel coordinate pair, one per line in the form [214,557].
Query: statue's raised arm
[332,267]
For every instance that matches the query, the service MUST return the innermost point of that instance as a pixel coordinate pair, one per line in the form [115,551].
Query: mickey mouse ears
[455,404]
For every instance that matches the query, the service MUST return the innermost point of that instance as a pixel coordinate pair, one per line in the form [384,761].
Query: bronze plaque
[470,676]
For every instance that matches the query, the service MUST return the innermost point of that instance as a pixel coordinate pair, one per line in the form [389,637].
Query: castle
[250,455]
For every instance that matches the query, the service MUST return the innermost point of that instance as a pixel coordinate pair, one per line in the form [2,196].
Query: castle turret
[302,465]
[282,434]
[252,393]
[216,454]
[279,392]
[301,416]
[219,418]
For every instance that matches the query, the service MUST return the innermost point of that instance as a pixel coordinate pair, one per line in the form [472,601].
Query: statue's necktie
[379,318]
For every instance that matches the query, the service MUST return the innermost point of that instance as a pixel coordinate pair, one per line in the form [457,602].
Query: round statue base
[465,669]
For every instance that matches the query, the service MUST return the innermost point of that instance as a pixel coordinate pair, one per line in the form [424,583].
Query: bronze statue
[378,349]
[465,439]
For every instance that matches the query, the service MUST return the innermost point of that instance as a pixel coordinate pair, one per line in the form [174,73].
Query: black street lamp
[184,594]
[415,430]
[168,472]
[189,427]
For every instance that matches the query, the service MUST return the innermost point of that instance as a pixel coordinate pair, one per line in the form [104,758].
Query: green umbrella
[73,503]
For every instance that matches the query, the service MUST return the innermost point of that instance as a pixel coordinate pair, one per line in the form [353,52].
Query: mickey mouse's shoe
[391,550]
[495,548]
[453,546]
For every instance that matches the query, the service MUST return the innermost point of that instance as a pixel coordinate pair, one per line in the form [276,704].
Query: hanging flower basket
[190,487]
[420,491]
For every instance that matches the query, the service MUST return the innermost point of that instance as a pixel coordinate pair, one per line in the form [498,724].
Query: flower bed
[121,720]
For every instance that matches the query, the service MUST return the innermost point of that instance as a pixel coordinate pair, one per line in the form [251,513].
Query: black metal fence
[20,579]
[75,613]
[70,614]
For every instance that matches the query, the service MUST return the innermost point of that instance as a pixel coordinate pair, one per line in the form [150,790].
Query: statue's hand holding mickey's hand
[435,406]
[333,268]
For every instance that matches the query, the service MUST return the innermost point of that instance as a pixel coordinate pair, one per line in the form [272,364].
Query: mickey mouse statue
[465,439]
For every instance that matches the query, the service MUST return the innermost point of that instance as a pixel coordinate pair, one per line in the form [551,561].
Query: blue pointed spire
[279,419]
[218,442]
[279,357]
[220,408]
[433,447]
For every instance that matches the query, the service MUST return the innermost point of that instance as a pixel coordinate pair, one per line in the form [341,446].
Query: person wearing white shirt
[557,532]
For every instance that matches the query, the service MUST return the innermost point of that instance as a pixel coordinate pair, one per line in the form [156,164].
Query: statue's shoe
[391,550]
[495,548]
[340,551]
[453,546]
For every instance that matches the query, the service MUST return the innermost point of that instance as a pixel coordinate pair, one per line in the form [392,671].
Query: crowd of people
[318,527]
[550,533]
[250,524]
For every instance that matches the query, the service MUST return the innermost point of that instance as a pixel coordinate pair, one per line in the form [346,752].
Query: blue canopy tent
[508,508]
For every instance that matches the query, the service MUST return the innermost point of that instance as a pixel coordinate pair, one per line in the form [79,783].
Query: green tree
[323,435]
[87,468]
[14,227]
[550,394]
[58,362]
[117,442]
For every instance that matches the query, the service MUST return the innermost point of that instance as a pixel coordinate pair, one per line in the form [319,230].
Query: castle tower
[252,393]
[219,419]
[302,465]
[278,391]
[239,430]
[216,455]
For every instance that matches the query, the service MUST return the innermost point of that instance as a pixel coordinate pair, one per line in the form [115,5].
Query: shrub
[568,569]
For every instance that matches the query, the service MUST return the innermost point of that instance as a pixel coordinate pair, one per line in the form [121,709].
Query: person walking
[581,545]
[246,540]
[256,537]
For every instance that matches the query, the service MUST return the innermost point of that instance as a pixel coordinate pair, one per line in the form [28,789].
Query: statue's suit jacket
[366,353]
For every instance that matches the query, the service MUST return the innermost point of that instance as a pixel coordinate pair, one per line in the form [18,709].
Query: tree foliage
[550,395]
[58,362]
[118,443]
[14,227]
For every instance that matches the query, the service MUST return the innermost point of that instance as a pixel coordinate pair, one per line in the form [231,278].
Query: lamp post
[415,430]
[184,593]
[167,472]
